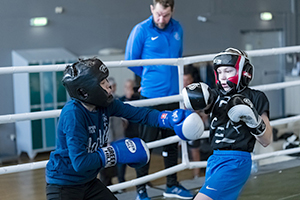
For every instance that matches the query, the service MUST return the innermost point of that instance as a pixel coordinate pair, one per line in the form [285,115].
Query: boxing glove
[240,108]
[198,96]
[133,152]
[186,124]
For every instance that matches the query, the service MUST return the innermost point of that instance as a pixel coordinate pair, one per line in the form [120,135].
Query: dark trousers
[93,190]
[170,152]
[106,175]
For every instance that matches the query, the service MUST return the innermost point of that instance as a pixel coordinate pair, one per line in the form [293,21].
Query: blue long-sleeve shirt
[79,135]
[146,41]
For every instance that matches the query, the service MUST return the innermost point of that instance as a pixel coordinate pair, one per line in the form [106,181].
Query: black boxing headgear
[82,81]
[239,60]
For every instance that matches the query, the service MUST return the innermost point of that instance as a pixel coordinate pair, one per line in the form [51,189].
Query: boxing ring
[185,164]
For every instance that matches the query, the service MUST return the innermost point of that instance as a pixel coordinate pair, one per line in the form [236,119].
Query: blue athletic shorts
[226,173]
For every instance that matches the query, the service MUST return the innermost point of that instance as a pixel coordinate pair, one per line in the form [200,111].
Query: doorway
[267,69]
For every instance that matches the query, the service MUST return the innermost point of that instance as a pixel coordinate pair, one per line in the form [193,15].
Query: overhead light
[59,10]
[38,21]
[266,16]
[201,18]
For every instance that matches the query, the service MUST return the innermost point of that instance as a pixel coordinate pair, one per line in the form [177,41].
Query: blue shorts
[226,174]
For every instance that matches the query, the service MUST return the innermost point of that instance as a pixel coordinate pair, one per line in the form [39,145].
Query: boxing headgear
[82,81]
[239,60]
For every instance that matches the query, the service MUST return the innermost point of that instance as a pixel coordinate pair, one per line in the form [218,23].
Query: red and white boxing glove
[186,124]
[240,108]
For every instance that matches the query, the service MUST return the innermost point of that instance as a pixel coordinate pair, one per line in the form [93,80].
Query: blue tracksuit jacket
[146,41]
[80,133]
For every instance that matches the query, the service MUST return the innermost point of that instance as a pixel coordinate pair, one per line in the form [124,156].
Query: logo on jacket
[163,116]
[92,129]
[154,38]
[176,36]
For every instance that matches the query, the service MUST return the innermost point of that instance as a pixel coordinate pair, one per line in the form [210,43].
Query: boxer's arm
[240,108]
[267,137]
[133,152]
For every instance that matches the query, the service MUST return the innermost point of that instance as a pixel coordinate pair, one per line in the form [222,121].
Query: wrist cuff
[163,120]
[260,129]
[110,156]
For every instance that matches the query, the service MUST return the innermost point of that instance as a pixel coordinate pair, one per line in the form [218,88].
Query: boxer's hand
[133,152]
[240,108]
[198,96]
[186,124]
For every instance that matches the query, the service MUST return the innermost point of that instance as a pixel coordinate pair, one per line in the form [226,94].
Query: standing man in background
[159,36]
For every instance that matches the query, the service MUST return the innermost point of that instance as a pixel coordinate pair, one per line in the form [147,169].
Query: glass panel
[36,128]
[50,132]
[33,63]
[60,62]
[34,79]
[60,107]
[47,63]
[61,91]
[48,87]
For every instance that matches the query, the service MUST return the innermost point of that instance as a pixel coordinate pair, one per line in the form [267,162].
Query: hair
[165,3]
[193,71]
[130,81]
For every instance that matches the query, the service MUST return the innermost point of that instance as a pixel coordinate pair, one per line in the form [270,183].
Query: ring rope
[141,62]
[155,144]
[139,103]
[177,98]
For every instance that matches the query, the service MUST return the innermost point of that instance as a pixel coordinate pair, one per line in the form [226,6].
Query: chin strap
[229,92]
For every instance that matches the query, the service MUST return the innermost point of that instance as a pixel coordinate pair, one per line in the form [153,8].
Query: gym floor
[278,181]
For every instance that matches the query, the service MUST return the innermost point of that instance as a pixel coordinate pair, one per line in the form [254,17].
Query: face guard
[82,81]
[240,62]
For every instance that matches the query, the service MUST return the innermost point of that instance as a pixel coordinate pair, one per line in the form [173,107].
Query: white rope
[143,62]
[23,167]
[148,178]
[277,86]
[162,173]
[276,153]
[285,120]
[253,53]
[4,119]
[156,101]
[176,98]
[138,103]
[151,145]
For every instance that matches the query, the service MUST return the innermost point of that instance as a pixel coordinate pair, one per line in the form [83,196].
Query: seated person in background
[130,128]
[191,74]
[131,94]
[82,134]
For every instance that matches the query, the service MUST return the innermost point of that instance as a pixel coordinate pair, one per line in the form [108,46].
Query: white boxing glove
[186,124]
[198,96]
[240,108]
[192,127]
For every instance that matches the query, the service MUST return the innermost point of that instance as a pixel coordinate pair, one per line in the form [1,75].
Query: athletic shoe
[142,195]
[178,191]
